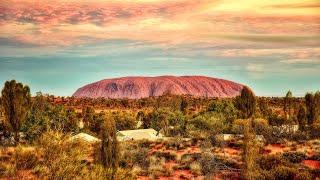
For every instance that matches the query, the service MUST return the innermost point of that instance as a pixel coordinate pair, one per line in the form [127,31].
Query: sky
[57,46]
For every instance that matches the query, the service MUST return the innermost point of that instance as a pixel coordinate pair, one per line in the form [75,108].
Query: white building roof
[85,137]
[138,134]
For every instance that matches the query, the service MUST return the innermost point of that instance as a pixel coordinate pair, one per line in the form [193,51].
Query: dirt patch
[314,164]
[182,174]
[275,148]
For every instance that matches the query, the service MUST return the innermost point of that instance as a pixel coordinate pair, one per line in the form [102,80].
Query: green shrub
[175,144]
[303,176]
[134,157]
[169,156]
[265,175]
[195,168]
[208,163]
[294,157]
[158,168]
[283,172]
[268,162]
[61,157]
[7,170]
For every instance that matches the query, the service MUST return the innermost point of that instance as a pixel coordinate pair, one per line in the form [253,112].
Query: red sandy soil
[178,174]
[314,164]
[143,178]
[189,150]
[232,151]
[275,148]
[182,174]
[226,175]
[22,174]
[171,164]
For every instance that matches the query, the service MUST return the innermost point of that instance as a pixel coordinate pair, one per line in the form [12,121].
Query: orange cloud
[174,22]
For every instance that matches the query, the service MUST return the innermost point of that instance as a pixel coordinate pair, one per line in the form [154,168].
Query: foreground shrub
[61,158]
[25,158]
[98,172]
[168,156]
[134,156]
[303,176]
[158,168]
[283,172]
[7,170]
[268,162]
[195,168]
[208,163]
[175,144]
[294,157]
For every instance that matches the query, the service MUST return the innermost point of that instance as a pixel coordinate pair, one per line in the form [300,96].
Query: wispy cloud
[301,61]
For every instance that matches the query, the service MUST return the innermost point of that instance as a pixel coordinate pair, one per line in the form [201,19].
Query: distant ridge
[136,87]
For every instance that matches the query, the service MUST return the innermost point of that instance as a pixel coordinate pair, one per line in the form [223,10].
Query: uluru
[136,87]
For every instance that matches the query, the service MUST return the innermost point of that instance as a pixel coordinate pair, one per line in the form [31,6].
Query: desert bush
[304,175]
[175,143]
[157,168]
[25,158]
[238,126]
[168,156]
[208,163]
[315,130]
[294,157]
[98,172]
[265,175]
[268,162]
[226,109]
[195,168]
[202,126]
[62,158]
[7,169]
[260,126]
[124,120]
[134,157]
[283,172]
[299,136]
[316,156]
[205,144]
[189,158]
[144,143]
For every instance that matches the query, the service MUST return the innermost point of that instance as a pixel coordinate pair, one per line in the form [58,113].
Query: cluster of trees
[166,101]
[39,116]
[170,115]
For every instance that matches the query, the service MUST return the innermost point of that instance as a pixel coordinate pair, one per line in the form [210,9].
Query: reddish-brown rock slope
[140,87]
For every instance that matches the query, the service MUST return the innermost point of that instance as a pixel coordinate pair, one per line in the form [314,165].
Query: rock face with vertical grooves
[140,87]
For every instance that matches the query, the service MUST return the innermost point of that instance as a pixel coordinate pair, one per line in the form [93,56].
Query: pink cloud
[95,12]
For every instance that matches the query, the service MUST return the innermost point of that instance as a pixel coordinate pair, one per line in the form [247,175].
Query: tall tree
[183,105]
[287,105]
[316,102]
[302,117]
[16,100]
[88,116]
[246,102]
[264,108]
[250,152]
[309,99]
[109,146]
